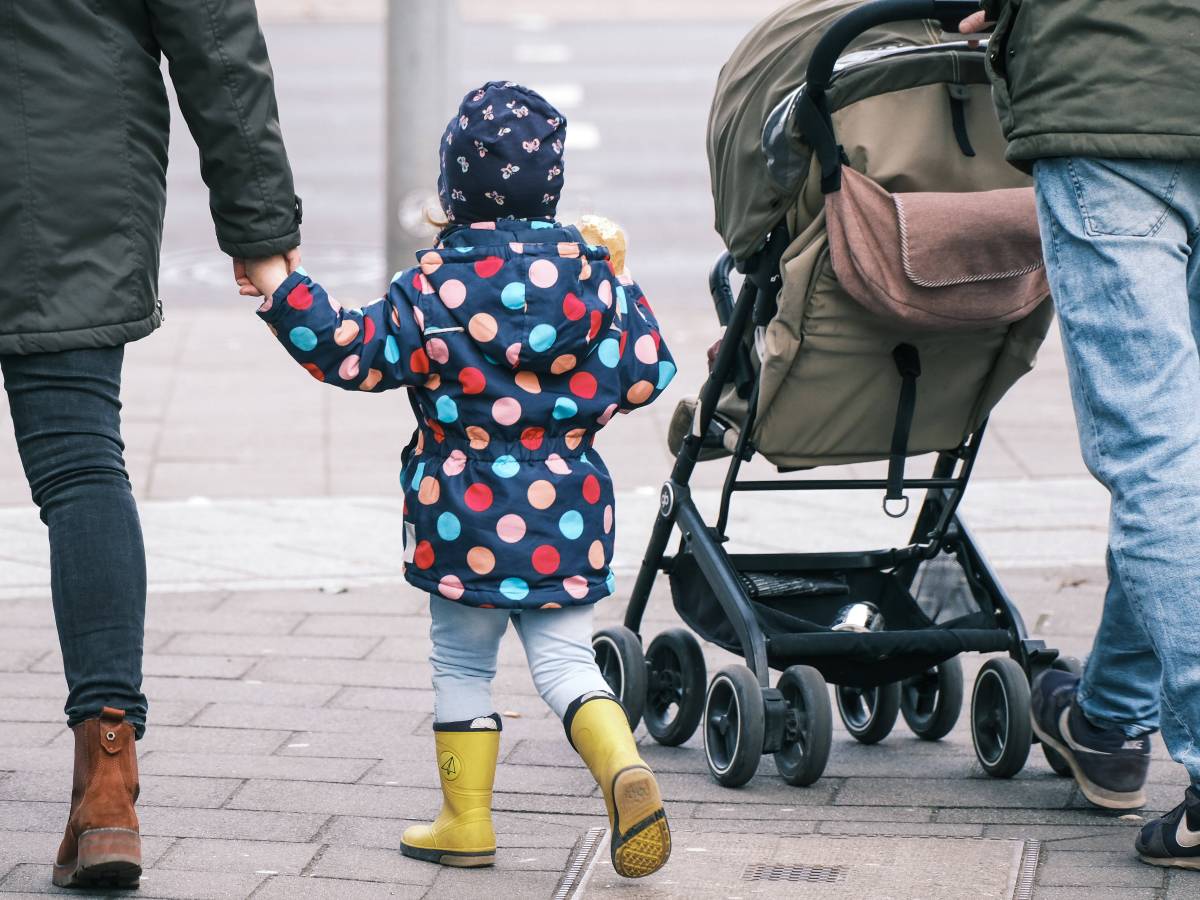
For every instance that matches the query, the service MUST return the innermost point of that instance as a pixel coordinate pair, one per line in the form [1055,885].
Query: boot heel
[108,857]
[641,841]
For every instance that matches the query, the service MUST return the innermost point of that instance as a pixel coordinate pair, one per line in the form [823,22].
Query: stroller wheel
[808,729]
[734,725]
[619,656]
[932,701]
[675,677]
[1057,763]
[869,714]
[1000,726]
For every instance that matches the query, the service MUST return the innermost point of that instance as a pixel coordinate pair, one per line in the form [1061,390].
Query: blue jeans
[66,414]
[466,640]
[1121,240]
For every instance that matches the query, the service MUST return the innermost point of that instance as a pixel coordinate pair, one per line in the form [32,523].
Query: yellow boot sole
[643,846]
[458,858]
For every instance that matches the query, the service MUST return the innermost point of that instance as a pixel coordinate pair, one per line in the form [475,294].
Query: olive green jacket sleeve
[992,8]
[222,75]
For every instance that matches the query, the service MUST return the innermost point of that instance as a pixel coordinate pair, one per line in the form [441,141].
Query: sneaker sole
[1095,794]
[645,848]
[459,859]
[1172,862]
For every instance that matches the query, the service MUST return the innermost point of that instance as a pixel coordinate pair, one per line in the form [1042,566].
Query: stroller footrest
[944,642]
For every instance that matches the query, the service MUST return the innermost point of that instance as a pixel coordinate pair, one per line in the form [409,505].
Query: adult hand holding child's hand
[261,277]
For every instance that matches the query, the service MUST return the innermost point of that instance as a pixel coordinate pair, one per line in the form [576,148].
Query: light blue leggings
[466,640]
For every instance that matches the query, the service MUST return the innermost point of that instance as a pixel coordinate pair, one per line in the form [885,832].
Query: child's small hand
[260,277]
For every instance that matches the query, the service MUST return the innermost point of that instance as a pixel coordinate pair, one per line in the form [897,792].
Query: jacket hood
[532,294]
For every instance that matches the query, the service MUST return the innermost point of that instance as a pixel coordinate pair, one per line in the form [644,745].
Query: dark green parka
[1091,78]
[83,157]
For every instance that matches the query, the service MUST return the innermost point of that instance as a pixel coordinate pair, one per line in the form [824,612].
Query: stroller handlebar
[870,15]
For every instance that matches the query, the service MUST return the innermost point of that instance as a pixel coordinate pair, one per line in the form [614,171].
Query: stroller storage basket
[797,632]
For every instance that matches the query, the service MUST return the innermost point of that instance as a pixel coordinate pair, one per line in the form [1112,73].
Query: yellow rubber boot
[462,834]
[641,839]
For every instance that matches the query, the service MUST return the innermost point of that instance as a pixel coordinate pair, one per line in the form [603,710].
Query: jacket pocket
[1129,198]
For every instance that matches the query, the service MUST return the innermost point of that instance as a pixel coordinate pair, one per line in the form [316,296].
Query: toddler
[517,341]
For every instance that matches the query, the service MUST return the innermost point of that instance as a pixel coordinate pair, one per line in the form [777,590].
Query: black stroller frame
[743,716]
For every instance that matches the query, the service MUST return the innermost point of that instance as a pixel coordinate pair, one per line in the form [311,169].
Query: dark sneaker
[1109,767]
[1174,840]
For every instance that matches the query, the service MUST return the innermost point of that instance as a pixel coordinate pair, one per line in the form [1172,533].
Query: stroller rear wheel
[931,702]
[734,725]
[1057,763]
[808,727]
[869,714]
[675,677]
[619,656]
[1000,726]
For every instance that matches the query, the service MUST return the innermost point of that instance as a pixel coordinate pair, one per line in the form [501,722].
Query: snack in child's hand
[604,232]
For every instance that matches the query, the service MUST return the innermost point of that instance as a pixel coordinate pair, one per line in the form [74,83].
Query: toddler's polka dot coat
[519,343]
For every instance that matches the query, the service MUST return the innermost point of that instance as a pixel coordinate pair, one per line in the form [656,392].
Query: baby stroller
[808,375]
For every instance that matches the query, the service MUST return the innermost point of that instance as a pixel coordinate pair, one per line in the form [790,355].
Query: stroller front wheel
[808,728]
[869,714]
[675,681]
[619,655]
[1000,725]
[734,725]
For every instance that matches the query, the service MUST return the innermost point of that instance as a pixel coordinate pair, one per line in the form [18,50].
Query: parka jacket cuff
[259,249]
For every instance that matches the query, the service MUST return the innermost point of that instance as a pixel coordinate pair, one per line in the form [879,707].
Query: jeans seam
[1167,201]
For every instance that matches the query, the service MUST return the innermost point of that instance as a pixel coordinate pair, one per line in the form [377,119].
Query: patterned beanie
[502,156]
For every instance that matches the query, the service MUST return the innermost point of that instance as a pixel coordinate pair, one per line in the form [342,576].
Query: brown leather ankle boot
[102,846]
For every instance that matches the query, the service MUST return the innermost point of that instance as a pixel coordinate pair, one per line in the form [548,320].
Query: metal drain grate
[783,872]
[1028,870]
[576,872]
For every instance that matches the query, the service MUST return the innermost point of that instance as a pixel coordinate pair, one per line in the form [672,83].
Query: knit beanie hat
[502,156]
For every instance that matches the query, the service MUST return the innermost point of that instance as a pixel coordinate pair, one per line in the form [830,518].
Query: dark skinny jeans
[66,413]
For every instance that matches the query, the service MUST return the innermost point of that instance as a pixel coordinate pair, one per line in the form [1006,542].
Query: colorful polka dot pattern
[519,344]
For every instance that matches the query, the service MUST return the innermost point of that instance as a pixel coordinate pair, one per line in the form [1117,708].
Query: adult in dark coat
[84,123]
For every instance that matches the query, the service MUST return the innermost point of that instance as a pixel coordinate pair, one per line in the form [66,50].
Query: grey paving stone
[363,625]
[702,788]
[40,848]
[335,799]
[249,857]
[30,734]
[286,887]
[157,790]
[156,883]
[465,884]
[346,672]
[270,645]
[733,809]
[772,827]
[1017,792]
[993,815]
[1077,873]
[513,830]
[303,718]
[35,684]
[389,601]
[523,779]
[44,817]
[368,864]
[1096,892]
[13,637]
[216,622]
[23,659]
[1067,837]
[366,745]
[388,699]
[1182,885]
[194,739]
[249,691]
[230,765]
[233,824]
[901,829]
